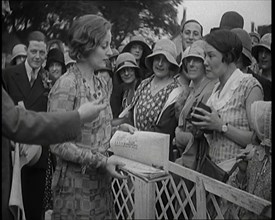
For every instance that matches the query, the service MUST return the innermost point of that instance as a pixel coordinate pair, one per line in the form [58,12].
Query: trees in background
[148,17]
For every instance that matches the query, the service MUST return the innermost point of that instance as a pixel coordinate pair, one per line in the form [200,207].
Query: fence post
[144,199]
[201,199]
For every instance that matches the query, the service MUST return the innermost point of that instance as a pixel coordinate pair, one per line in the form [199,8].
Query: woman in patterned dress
[153,102]
[82,180]
[259,157]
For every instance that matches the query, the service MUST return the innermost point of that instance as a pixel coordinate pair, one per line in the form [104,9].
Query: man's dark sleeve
[42,128]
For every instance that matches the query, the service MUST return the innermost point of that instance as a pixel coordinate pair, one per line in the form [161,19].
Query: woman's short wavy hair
[86,34]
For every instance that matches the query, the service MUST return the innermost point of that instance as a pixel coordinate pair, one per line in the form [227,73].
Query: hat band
[125,62]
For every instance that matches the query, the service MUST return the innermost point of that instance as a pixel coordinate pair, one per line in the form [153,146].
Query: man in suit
[37,128]
[26,85]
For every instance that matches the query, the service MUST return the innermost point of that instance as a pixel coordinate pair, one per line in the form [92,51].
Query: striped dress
[231,106]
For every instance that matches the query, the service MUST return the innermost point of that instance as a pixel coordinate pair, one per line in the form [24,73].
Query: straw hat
[167,48]
[246,42]
[265,42]
[18,50]
[125,60]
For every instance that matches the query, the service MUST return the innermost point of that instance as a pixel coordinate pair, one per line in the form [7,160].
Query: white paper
[145,154]
[150,148]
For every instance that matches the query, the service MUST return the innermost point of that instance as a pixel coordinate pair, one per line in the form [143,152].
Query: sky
[209,12]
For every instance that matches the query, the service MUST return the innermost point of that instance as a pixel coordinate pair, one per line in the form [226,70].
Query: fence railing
[184,194]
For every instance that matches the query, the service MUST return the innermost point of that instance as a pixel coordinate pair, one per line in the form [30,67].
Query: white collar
[29,70]
[219,100]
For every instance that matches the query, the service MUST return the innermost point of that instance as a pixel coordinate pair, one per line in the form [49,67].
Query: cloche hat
[125,60]
[230,20]
[265,42]
[18,50]
[55,55]
[195,50]
[137,39]
[167,48]
[246,42]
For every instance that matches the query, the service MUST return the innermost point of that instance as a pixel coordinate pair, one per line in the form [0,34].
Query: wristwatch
[224,128]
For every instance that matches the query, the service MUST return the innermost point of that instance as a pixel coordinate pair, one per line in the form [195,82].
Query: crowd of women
[214,92]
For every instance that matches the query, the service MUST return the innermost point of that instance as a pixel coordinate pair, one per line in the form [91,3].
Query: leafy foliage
[127,16]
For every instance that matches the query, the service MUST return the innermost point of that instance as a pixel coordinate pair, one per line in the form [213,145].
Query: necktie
[32,78]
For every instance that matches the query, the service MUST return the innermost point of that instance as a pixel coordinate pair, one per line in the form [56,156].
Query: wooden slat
[201,199]
[239,197]
[144,200]
[216,206]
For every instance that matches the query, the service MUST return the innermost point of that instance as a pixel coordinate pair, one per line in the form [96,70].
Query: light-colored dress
[81,189]
[230,104]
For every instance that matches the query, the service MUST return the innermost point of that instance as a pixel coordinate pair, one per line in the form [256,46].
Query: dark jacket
[35,98]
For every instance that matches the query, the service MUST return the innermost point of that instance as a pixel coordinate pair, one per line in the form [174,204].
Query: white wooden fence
[172,197]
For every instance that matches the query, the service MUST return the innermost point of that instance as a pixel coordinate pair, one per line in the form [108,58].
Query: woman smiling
[200,89]
[153,103]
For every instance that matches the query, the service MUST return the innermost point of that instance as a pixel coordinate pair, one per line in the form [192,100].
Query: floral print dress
[81,188]
[149,107]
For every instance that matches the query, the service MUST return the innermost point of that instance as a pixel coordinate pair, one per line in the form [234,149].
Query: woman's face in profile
[100,56]
[213,62]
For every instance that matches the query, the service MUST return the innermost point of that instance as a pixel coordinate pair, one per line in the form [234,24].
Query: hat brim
[194,55]
[255,49]
[146,49]
[19,54]
[247,53]
[113,56]
[127,64]
[169,57]
[69,62]
[104,69]
[58,61]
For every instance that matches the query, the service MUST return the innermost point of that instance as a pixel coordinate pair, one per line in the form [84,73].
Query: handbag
[209,168]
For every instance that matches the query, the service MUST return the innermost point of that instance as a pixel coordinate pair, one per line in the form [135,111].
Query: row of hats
[164,47]
[21,50]
[196,49]
[167,48]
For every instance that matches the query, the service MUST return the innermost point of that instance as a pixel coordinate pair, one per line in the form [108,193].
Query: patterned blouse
[148,107]
[79,161]
[230,104]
